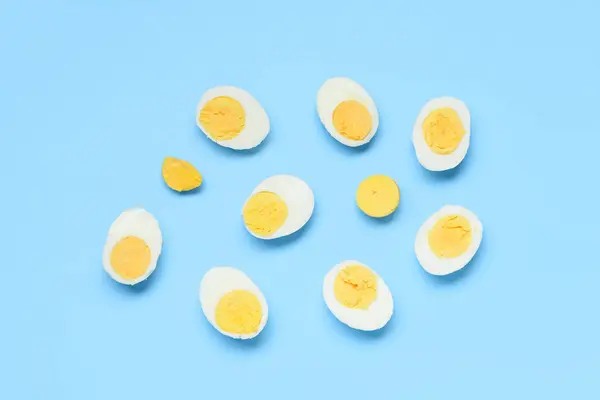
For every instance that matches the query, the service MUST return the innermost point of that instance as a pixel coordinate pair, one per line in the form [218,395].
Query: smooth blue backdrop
[94,94]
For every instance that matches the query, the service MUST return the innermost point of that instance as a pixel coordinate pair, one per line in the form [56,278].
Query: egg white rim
[444,266]
[257,125]
[440,162]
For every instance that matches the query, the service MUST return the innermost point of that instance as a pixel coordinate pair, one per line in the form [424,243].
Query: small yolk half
[239,312]
[180,175]
[130,257]
[264,213]
[451,236]
[443,130]
[223,118]
[352,120]
[355,287]
[378,196]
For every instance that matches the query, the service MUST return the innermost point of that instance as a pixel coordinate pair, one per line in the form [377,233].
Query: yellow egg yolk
[443,130]
[451,236]
[352,120]
[130,257]
[223,118]
[264,213]
[355,286]
[180,175]
[239,312]
[378,196]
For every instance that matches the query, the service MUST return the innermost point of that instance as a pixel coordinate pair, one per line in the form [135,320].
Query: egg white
[297,196]
[133,222]
[375,317]
[219,281]
[444,266]
[331,94]
[257,125]
[427,157]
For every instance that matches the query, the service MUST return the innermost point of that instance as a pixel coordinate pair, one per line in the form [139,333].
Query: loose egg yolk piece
[130,257]
[378,196]
[443,130]
[264,213]
[180,175]
[451,236]
[352,120]
[355,286]
[239,312]
[223,118]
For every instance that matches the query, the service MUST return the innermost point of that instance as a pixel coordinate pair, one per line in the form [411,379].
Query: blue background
[94,95]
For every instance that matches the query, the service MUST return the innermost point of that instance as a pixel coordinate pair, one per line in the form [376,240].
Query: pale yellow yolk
[223,118]
[355,287]
[264,213]
[378,196]
[352,120]
[239,312]
[180,175]
[443,130]
[451,236]
[130,257]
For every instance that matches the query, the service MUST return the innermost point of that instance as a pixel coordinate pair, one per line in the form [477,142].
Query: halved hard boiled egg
[448,240]
[357,296]
[231,117]
[232,303]
[132,247]
[347,111]
[278,206]
[442,133]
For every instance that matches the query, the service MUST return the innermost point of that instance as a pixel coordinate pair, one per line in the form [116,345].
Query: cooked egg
[180,175]
[231,117]
[378,196]
[232,303]
[132,247]
[448,240]
[278,206]
[347,111]
[357,296]
[442,133]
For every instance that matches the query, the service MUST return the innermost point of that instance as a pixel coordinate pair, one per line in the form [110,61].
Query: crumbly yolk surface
[264,213]
[451,236]
[130,257]
[223,118]
[378,196]
[443,130]
[180,175]
[239,312]
[355,287]
[352,120]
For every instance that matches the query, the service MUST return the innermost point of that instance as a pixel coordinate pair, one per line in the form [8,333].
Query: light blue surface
[93,95]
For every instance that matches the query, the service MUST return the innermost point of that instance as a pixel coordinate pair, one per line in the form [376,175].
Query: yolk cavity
[264,213]
[378,196]
[451,236]
[352,120]
[223,118]
[443,130]
[239,312]
[355,287]
[130,257]
[180,175]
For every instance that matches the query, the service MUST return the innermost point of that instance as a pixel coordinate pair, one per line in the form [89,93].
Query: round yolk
[239,312]
[223,118]
[378,196]
[180,175]
[451,236]
[130,257]
[355,287]
[264,213]
[352,120]
[443,130]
